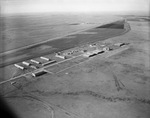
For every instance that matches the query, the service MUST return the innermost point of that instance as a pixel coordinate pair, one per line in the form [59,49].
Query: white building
[106,49]
[45,58]
[39,73]
[19,66]
[35,61]
[60,56]
[26,63]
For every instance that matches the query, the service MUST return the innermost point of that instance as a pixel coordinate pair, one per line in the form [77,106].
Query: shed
[49,62]
[35,61]
[19,66]
[39,73]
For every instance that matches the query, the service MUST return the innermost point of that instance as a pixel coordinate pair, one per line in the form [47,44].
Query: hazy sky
[17,6]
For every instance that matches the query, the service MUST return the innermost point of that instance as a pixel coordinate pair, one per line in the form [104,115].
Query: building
[35,61]
[49,62]
[39,73]
[60,56]
[26,63]
[89,54]
[93,53]
[106,49]
[19,66]
[92,45]
[45,58]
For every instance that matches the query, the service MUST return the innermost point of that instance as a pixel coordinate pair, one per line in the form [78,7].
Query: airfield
[112,84]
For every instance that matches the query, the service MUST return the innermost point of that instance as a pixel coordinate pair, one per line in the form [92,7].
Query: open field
[115,86]
[22,30]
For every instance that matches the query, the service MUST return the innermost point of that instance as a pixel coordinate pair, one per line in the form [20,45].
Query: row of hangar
[44,61]
[38,62]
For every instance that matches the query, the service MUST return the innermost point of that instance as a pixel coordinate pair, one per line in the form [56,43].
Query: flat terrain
[18,31]
[111,86]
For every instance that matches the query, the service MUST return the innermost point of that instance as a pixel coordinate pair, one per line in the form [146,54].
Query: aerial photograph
[75,58]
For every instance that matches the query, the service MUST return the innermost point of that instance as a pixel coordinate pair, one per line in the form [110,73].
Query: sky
[28,6]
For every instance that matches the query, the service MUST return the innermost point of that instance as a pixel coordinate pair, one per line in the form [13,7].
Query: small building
[41,60]
[93,53]
[86,54]
[89,54]
[39,73]
[49,62]
[35,61]
[26,63]
[19,66]
[106,49]
[60,56]
[34,65]
[92,45]
[45,58]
